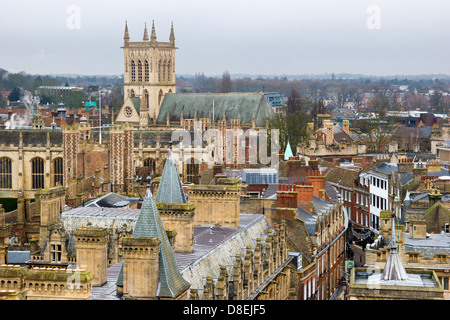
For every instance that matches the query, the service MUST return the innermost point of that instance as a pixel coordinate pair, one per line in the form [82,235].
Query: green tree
[15,94]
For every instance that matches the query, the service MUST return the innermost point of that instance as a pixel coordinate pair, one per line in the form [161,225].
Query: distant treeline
[9,81]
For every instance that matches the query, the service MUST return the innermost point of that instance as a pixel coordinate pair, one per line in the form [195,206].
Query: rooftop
[213,245]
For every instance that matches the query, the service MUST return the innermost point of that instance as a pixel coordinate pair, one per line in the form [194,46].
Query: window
[139,70]
[37,173]
[146,71]
[56,252]
[133,71]
[58,171]
[168,71]
[5,173]
[192,171]
[446,283]
[447,228]
[150,164]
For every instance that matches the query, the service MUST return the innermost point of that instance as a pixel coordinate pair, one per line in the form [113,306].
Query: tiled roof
[232,104]
[170,189]
[342,176]
[149,225]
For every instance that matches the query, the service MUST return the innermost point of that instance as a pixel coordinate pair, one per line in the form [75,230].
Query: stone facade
[149,73]
[216,204]
[92,252]
[140,267]
[45,283]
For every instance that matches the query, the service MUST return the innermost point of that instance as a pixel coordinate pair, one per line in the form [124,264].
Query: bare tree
[226,85]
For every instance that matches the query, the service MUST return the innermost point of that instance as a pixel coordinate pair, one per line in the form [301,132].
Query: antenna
[100,115]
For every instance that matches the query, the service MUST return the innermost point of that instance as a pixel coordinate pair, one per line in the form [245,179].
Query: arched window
[37,173]
[139,70]
[58,171]
[146,98]
[147,74]
[5,173]
[163,71]
[133,71]
[168,71]
[159,71]
[150,164]
[132,94]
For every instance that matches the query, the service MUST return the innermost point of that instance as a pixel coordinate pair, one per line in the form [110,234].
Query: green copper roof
[136,103]
[149,225]
[288,151]
[234,105]
[170,189]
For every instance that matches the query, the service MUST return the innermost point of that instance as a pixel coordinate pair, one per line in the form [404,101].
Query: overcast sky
[374,37]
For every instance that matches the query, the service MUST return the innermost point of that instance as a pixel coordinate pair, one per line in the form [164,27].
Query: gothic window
[147,77]
[133,71]
[5,173]
[37,173]
[159,71]
[150,164]
[132,94]
[58,171]
[164,71]
[146,98]
[139,70]
[168,71]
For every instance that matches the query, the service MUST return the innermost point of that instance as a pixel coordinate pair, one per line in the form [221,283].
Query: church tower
[149,73]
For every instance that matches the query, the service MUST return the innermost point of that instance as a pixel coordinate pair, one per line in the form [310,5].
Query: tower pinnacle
[153,36]
[145,33]
[172,35]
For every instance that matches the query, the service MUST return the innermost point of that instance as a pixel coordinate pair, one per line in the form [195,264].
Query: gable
[129,111]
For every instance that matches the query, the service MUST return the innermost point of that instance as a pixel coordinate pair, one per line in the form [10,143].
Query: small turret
[126,36]
[172,35]
[145,33]
[153,36]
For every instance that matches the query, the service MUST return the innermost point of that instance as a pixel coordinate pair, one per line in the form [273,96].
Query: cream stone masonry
[92,252]
[149,74]
[140,267]
[216,204]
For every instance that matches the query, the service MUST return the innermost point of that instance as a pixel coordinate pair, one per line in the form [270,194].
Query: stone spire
[170,189]
[126,36]
[145,33]
[153,35]
[172,35]
[393,270]
[149,225]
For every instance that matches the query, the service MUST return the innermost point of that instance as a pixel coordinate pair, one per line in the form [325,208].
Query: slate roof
[111,200]
[170,189]
[342,176]
[434,243]
[310,220]
[31,137]
[233,104]
[149,225]
[149,137]
[18,257]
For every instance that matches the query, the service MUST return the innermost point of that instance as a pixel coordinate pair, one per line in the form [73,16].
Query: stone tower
[92,252]
[149,70]
[149,269]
